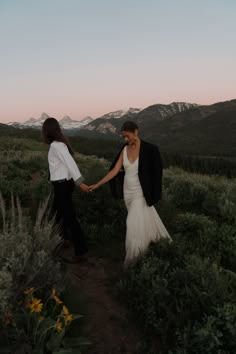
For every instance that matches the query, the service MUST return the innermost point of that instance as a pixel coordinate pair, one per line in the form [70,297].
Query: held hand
[84,187]
[93,187]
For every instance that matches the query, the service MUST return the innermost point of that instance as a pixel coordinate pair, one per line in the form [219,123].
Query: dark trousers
[66,217]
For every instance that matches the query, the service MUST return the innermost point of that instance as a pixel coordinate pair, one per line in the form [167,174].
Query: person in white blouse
[64,175]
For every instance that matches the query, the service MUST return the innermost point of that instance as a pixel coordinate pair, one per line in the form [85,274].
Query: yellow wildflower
[55,297]
[35,305]
[59,326]
[65,310]
[68,318]
[28,291]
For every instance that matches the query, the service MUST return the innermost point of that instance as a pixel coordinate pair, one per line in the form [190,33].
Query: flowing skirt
[143,226]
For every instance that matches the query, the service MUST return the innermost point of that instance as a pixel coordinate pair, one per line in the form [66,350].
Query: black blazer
[149,172]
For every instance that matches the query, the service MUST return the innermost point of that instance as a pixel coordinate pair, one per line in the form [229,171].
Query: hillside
[214,135]
[207,130]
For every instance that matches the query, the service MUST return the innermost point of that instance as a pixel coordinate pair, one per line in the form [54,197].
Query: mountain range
[176,127]
[66,122]
[154,113]
[104,124]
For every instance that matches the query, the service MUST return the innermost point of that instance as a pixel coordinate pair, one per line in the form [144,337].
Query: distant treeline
[108,149]
[99,147]
[210,165]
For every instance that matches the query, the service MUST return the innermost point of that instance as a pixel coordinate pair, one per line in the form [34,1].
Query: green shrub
[171,291]
[197,234]
[33,319]
[215,334]
[212,196]
[190,232]
[26,253]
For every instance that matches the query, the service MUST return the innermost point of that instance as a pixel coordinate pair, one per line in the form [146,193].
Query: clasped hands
[85,188]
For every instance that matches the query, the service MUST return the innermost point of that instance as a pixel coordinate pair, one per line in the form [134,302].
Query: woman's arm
[111,174]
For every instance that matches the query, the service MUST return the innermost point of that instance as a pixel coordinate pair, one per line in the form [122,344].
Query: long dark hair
[52,132]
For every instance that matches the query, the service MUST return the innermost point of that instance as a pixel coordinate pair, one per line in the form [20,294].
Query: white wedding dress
[143,223]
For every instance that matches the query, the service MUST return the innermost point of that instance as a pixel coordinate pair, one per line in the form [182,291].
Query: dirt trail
[106,323]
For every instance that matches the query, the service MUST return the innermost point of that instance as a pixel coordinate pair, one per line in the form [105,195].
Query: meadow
[181,295]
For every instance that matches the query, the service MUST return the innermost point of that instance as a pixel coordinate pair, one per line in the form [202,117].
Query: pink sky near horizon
[77,113]
[82,58]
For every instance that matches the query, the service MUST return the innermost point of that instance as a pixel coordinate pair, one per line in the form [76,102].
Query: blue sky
[90,57]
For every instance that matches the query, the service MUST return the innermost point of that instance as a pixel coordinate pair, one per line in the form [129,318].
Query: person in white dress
[143,222]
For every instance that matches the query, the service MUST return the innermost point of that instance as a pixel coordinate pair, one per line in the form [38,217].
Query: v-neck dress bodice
[132,187]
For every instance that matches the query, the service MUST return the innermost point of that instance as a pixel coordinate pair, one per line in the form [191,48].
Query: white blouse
[61,163]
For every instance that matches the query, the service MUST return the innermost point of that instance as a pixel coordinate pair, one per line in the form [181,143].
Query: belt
[60,181]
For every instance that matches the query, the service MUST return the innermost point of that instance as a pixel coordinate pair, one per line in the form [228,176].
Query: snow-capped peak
[120,113]
[66,122]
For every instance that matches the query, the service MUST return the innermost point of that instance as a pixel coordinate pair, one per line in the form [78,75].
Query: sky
[90,57]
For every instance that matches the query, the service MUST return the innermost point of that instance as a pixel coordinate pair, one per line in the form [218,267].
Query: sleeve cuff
[79,181]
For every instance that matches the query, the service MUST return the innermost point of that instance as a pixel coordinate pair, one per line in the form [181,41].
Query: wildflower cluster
[43,323]
[53,308]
